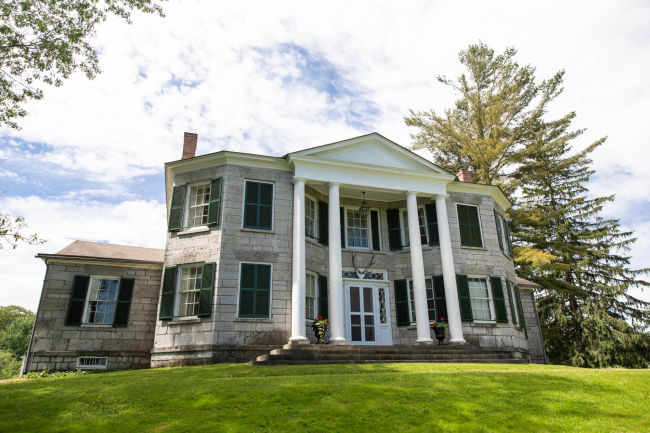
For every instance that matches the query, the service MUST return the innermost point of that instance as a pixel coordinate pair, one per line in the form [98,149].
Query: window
[310,218]
[92,362]
[357,229]
[470,226]
[310,296]
[255,290]
[189,289]
[102,299]
[480,298]
[422,220]
[198,201]
[258,205]
[431,305]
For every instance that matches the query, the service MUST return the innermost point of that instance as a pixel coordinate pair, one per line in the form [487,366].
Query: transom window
[189,290]
[197,205]
[310,296]
[357,229]
[422,220]
[431,305]
[102,298]
[479,294]
[310,218]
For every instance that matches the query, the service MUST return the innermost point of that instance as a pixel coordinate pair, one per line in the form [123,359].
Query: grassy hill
[344,398]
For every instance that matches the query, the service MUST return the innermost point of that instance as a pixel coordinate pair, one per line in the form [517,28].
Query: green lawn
[348,398]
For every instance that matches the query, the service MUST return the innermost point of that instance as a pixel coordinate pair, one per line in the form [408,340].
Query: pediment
[372,149]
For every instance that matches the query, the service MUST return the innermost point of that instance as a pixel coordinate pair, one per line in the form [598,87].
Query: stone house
[364,232]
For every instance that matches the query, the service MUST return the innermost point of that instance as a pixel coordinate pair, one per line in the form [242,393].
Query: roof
[108,252]
[527,283]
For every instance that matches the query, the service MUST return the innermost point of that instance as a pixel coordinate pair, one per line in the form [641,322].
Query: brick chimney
[189,145]
[465,175]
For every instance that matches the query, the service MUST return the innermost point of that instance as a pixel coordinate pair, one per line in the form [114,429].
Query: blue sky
[273,77]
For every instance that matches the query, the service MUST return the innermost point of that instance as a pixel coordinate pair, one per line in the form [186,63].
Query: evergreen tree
[498,128]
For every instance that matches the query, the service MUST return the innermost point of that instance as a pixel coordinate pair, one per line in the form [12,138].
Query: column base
[458,341]
[339,341]
[423,341]
[298,340]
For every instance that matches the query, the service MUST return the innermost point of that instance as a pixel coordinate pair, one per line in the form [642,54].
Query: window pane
[405,229]
[189,290]
[310,218]
[101,301]
[367,300]
[412,301]
[197,212]
[263,276]
[310,296]
[357,229]
[355,304]
[266,193]
[480,298]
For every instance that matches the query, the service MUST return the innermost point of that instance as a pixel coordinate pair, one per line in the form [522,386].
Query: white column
[449,273]
[298,266]
[417,268]
[335,276]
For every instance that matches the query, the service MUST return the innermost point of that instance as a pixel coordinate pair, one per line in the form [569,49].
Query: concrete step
[380,361]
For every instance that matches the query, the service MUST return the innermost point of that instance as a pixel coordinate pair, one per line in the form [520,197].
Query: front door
[368,319]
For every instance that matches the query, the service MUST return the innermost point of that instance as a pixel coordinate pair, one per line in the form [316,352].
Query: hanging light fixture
[364,209]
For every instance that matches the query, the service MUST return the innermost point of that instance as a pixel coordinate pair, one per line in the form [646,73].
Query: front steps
[333,354]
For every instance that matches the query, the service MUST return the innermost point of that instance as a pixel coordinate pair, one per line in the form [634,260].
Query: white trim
[388,326]
[316,233]
[177,288]
[243,205]
[475,188]
[369,228]
[480,224]
[186,209]
[270,315]
[316,294]
[488,285]
[404,226]
[85,311]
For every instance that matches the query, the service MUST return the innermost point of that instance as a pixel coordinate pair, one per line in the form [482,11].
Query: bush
[9,365]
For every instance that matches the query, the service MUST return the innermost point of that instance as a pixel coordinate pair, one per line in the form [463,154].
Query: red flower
[442,318]
[326,320]
[319,317]
[432,324]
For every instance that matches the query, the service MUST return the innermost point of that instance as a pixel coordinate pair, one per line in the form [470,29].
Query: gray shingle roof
[99,250]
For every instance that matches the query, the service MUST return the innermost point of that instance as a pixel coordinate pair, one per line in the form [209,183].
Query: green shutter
[465,238]
[258,205]
[470,226]
[214,209]
[323,306]
[520,308]
[176,209]
[207,289]
[124,297]
[77,300]
[511,299]
[499,299]
[266,206]
[374,228]
[255,290]
[394,235]
[432,223]
[499,230]
[508,238]
[323,223]
[464,299]
[439,298]
[168,294]
[401,303]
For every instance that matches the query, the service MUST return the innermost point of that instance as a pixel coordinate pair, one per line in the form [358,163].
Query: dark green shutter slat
[323,299]
[207,289]
[439,297]
[401,303]
[214,209]
[499,299]
[463,225]
[266,206]
[508,238]
[176,209]
[511,299]
[342,211]
[464,298]
[323,223]
[77,300]
[432,223]
[520,308]
[168,294]
[123,307]
[374,222]
[394,235]
[499,231]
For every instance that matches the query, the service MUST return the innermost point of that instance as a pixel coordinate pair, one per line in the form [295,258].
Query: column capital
[442,196]
[333,183]
[298,179]
[407,193]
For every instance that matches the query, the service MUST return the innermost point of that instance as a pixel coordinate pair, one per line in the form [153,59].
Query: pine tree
[498,128]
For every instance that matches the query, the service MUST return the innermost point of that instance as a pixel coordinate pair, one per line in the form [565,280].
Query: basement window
[92,362]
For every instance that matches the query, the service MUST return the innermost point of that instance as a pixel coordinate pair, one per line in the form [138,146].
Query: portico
[341,170]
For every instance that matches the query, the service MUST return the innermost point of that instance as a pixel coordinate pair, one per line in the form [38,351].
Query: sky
[274,77]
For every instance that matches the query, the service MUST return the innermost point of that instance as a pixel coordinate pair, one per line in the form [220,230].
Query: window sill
[96,325]
[467,247]
[484,324]
[364,250]
[314,241]
[193,230]
[253,319]
[184,320]
[246,229]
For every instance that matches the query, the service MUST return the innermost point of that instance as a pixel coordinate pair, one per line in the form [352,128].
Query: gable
[372,149]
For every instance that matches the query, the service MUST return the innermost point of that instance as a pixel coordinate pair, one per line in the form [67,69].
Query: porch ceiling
[354,191]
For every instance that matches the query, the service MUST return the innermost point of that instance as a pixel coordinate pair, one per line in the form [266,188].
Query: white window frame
[177,289]
[309,274]
[411,303]
[84,320]
[404,226]
[488,285]
[243,206]
[186,211]
[315,219]
[368,228]
[101,366]
[270,314]
[514,307]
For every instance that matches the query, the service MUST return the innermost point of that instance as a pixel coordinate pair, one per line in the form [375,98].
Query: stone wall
[57,346]
[535,341]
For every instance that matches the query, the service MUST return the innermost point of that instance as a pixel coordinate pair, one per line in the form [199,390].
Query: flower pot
[440,334]
[319,332]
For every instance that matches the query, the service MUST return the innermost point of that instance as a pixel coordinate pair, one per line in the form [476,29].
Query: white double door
[367,313]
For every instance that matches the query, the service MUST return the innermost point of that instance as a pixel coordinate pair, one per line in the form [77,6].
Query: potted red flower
[320,328]
[439,329]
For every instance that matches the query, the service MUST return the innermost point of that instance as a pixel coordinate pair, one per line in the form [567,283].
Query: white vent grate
[92,362]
